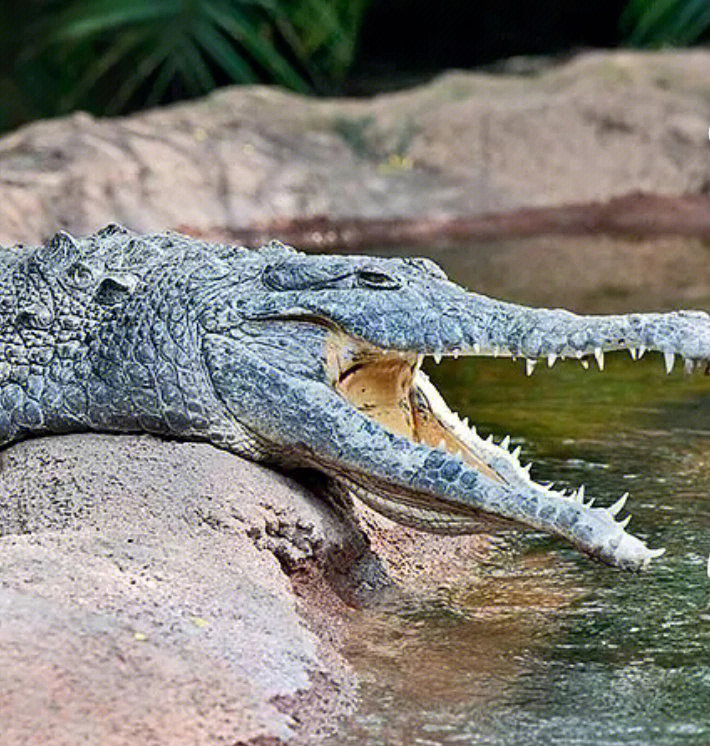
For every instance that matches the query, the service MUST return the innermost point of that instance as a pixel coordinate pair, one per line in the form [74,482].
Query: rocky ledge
[602,125]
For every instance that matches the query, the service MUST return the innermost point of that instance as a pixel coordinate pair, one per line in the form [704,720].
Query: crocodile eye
[369,278]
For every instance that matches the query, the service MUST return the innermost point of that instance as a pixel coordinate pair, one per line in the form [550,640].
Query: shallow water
[541,645]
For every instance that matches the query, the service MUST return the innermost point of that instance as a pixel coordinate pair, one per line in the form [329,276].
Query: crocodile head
[362,410]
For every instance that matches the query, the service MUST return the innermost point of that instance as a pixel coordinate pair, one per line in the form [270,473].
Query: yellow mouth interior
[383,386]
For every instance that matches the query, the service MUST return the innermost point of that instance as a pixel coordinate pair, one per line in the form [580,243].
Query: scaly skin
[263,352]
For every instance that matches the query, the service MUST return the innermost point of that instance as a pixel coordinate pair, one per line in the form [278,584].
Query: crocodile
[305,361]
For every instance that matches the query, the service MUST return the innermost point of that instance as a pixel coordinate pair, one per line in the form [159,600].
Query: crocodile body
[302,360]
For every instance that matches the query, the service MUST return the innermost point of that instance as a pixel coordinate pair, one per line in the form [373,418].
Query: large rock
[146,597]
[601,125]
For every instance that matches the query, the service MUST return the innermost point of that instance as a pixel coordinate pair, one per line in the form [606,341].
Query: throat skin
[305,360]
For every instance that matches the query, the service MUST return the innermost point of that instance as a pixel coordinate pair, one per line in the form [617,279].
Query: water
[541,645]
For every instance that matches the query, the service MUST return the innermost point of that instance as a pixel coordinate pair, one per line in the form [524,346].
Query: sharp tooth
[505,442]
[496,350]
[618,505]
[585,363]
[551,359]
[669,359]
[527,468]
[688,365]
[529,366]
[516,453]
[465,422]
[441,444]
[580,495]
[642,350]
[476,348]
[634,353]
[625,522]
[437,357]
[599,357]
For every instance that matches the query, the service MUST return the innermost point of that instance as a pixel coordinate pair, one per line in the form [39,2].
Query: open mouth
[390,388]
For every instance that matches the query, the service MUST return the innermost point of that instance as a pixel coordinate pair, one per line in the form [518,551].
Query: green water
[541,645]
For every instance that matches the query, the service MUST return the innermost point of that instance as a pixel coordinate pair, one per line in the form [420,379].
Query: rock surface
[144,597]
[601,125]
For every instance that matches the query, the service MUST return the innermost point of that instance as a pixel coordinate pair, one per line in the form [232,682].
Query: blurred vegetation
[656,23]
[113,56]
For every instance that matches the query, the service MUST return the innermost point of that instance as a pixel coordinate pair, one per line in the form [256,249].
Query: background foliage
[111,56]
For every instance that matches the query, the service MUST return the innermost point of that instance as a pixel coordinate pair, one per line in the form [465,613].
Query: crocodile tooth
[527,468]
[634,353]
[551,359]
[505,442]
[599,357]
[625,522]
[437,357]
[489,439]
[496,350]
[476,348]
[529,366]
[618,505]
[688,365]
[585,363]
[642,350]
[516,453]
[465,422]
[456,352]
[441,444]
[580,495]
[669,359]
